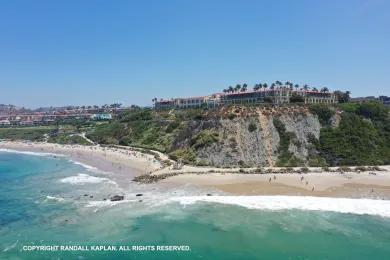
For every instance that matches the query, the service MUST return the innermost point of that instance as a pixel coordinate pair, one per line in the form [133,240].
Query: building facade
[275,96]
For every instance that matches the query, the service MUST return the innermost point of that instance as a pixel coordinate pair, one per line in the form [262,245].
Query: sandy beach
[125,164]
[324,184]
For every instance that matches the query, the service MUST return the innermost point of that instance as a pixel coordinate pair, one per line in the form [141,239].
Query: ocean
[48,202]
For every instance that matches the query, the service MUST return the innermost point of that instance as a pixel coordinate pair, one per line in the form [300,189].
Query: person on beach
[274,177]
[301,178]
[269,179]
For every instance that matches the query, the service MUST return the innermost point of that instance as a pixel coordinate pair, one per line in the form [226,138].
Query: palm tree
[306,87]
[237,88]
[244,87]
[273,85]
[230,89]
[324,90]
[296,86]
[265,85]
[257,87]
[278,83]
[315,89]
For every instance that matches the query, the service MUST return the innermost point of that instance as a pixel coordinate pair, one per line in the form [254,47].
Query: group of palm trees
[276,84]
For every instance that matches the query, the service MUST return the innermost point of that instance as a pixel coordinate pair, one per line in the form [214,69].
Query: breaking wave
[341,205]
[31,153]
[82,179]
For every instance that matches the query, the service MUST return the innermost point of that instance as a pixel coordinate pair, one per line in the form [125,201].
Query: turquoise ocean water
[47,200]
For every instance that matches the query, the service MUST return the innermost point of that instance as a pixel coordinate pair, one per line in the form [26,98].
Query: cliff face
[312,135]
[249,137]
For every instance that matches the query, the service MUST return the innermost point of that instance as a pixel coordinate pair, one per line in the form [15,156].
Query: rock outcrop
[250,138]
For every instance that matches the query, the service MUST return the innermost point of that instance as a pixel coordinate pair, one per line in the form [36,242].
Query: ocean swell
[341,205]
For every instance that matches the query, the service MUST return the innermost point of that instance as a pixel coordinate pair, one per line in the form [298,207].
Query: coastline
[125,164]
[324,184]
[122,164]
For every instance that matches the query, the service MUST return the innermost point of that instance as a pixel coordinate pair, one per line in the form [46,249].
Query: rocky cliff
[249,137]
[255,136]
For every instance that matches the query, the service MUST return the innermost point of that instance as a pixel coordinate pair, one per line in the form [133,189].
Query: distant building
[101,116]
[274,96]
[5,122]
[385,100]
[27,123]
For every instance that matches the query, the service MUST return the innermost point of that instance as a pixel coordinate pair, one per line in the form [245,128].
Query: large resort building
[277,96]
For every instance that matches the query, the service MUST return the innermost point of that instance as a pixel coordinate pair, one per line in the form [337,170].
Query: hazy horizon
[86,53]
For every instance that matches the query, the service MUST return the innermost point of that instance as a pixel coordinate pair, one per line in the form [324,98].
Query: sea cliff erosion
[258,136]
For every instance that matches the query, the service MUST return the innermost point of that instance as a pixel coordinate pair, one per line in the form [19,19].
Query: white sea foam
[55,198]
[31,153]
[11,246]
[86,166]
[82,179]
[106,203]
[341,205]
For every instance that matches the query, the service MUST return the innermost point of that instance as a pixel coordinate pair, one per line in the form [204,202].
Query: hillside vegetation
[315,135]
[245,136]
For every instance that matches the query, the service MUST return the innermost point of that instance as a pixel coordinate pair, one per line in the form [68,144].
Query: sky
[73,52]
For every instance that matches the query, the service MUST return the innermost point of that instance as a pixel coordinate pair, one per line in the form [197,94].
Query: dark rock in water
[140,201]
[117,198]
[139,194]
[104,199]
[91,196]
[208,194]
[85,195]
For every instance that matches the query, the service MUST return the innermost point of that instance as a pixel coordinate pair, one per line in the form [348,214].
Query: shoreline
[325,184]
[125,164]
[122,164]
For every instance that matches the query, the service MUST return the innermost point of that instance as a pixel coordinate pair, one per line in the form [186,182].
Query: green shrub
[323,111]
[34,133]
[297,99]
[172,126]
[188,156]
[316,161]
[203,139]
[373,110]
[355,142]
[137,115]
[252,127]
[231,116]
